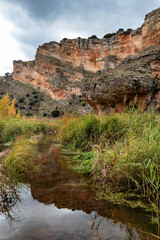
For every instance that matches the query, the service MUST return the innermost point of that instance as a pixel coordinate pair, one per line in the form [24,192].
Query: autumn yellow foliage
[7,107]
[18,114]
[11,109]
[67,117]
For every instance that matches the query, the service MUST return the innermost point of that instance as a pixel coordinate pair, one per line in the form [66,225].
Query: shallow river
[58,204]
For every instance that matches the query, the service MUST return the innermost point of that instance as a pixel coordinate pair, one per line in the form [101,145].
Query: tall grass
[21,159]
[124,150]
[84,131]
[10,127]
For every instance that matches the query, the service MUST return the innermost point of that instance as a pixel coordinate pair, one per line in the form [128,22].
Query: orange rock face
[151,29]
[57,69]
[91,53]
[49,75]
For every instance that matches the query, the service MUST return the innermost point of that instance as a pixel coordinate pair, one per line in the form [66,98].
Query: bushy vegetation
[93,37]
[55,113]
[109,35]
[122,151]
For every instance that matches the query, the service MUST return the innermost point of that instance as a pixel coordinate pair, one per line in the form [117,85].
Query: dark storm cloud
[40,21]
[45,9]
[39,8]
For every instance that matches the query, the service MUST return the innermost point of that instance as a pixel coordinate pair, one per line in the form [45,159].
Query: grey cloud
[51,9]
[40,21]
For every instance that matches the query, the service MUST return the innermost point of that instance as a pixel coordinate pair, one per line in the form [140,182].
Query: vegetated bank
[23,134]
[120,152]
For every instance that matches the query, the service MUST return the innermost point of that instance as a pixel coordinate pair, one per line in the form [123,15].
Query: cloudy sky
[26,24]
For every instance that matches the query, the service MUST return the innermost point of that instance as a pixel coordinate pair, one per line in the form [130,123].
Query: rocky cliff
[59,68]
[135,81]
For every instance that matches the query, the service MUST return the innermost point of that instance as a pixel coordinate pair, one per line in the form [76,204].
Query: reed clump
[21,158]
[121,151]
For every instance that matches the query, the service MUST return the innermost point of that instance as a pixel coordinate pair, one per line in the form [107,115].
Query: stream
[58,204]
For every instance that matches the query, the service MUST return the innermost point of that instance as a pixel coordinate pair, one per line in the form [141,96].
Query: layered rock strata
[135,81]
[59,68]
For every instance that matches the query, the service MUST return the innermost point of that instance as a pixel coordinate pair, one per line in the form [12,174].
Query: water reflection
[59,205]
[9,199]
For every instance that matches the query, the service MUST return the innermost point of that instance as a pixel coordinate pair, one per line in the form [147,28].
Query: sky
[26,24]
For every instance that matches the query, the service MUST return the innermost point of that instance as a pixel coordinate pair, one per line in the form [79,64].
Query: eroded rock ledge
[136,80]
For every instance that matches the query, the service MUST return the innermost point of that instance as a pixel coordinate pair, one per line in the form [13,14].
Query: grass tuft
[21,159]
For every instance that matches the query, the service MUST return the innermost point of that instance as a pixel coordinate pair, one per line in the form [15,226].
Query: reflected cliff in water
[60,205]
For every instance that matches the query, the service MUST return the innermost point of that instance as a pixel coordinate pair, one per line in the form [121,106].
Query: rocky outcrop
[49,75]
[60,68]
[134,82]
[151,29]
[57,79]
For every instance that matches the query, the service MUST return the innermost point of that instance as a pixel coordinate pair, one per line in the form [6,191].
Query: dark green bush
[93,37]
[130,30]
[31,103]
[21,100]
[109,35]
[55,113]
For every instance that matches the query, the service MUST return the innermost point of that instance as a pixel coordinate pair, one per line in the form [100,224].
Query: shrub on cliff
[130,30]
[21,100]
[93,37]
[45,114]
[109,35]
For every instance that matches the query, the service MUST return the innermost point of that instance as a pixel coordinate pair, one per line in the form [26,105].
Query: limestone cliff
[135,81]
[59,68]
